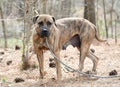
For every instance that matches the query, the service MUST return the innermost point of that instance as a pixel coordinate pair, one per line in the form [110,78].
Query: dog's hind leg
[84,49]
[94,59]
[75,42]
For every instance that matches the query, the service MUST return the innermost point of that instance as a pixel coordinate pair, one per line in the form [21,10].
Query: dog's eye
[49,23]
[40,23]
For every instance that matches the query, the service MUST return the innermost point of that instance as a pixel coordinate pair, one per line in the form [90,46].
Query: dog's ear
[54,20]
[35,18]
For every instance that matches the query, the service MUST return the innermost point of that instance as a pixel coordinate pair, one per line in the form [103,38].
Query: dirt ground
[109,58]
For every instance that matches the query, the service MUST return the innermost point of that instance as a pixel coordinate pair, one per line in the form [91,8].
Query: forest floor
[109,59]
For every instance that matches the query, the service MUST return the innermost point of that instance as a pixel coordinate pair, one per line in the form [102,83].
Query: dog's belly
[74,41]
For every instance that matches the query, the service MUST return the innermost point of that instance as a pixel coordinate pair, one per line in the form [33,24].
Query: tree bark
[66,5]
[116,29]
[4,28]
[44,2]
[106,28]
[28,14]
[111,17]
[97,18]
[89,10]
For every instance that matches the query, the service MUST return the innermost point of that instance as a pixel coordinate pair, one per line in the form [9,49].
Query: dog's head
[43,24]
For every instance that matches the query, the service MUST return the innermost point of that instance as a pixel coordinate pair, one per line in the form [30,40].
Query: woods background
[16,28]
[16,17]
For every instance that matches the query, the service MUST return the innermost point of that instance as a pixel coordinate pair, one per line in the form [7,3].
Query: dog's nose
[44,30]
[44,33]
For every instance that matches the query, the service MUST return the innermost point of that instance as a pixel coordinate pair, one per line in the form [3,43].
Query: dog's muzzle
[44,33]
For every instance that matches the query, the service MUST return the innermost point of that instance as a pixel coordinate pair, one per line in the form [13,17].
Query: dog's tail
[97,36]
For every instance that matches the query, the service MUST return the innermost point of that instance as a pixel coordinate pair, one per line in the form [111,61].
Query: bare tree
[116,29]
[106,28]
[97,18]
[44,2]
[4,28]
[28,14]
[50,8]
[111,17]
[66,5]
[24,59]
[89,10]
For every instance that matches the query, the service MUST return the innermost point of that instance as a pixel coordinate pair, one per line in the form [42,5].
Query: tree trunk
[97,18]
[111,17]
[50,8]
[116,29]
[106,28]
[28,14]
[86,10]
[44,3]
[66,5]
[4,28]
[89,10]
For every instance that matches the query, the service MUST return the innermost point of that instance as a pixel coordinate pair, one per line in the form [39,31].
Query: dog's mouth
[44,33]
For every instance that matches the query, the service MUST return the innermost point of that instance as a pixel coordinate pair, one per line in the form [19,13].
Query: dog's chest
[41,44]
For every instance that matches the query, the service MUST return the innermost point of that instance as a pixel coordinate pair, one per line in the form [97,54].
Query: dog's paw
[91,72]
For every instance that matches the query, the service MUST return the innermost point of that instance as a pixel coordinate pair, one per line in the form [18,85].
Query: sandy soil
[109,58]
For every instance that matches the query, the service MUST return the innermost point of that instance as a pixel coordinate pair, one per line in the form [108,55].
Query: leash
[74,70]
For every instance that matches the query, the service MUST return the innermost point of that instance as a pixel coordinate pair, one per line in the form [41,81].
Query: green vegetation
[11,42]
[4,79]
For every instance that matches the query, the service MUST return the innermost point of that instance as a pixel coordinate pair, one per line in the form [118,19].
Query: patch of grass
[34,66]
[4,79]
[11,42]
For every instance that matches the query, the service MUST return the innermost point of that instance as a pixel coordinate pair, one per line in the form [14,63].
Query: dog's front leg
[41,63]
[58,67]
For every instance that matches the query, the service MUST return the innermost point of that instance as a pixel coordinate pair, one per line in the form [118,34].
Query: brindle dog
[78,31]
